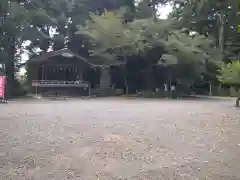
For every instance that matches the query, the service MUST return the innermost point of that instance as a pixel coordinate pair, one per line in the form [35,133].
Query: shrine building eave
[93,62]
[44,57]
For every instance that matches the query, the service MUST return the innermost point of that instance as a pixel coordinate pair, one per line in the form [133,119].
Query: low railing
[59,83]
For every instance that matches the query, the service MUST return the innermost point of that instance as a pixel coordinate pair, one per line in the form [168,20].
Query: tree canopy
[230,75]
[196,35]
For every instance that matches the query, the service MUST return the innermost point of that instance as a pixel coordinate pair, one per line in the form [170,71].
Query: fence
[59,83]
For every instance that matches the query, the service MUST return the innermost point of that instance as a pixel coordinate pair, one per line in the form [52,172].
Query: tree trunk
[221,34]
[238,102]
[210,89]
[9,77]
[125,73]
[10,70]
[125,80]
[148,78]
[105,79]
[154,10]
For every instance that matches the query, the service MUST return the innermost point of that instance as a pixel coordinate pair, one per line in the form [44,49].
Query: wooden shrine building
[63,72]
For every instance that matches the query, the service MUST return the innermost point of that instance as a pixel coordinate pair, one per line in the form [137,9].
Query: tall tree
[111,38]
[56,26]
[230,74]
[212,18]
[12,17]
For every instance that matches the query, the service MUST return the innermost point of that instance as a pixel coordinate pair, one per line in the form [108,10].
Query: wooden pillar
[64,74]
[49,73]
[57,73]
[52,74]
[42,74]
[70,73]
[105,79]
[35,74]
[79,75]
[46,73]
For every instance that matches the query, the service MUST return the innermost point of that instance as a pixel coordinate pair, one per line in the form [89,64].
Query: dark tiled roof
[46,56]
[91,61]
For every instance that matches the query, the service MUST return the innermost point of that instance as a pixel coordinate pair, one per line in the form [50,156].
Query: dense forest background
[192,46]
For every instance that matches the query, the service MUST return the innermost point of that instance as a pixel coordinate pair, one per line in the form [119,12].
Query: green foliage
[112,32]
[143,9]
[230,74]
[111,37]
[187,48]
[215,18]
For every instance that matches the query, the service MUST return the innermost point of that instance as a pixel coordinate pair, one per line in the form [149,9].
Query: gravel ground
[105,139]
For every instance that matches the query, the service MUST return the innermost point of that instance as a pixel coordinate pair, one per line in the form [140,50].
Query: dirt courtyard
[119,139]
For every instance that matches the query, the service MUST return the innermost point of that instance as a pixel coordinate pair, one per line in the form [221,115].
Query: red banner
[2,86]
